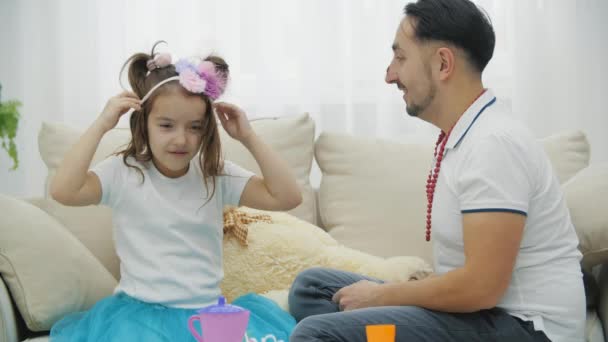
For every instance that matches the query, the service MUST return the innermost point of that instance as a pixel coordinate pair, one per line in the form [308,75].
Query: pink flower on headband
[206,67]
[192,81]
[201,78]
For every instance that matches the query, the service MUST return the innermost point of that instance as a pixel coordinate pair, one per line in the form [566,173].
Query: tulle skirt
[124,318]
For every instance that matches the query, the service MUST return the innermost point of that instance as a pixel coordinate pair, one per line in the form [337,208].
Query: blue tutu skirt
[124,318]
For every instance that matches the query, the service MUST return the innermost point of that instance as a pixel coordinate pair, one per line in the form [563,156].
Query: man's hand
[362,294]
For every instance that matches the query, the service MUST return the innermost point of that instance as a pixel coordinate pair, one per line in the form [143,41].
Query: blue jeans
[321,320]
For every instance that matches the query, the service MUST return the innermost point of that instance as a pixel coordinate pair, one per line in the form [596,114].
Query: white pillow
[372,197]
[91,225]
[48,271]
[55,140]
[291,137]
[372,194]
[585,194]
[569,153]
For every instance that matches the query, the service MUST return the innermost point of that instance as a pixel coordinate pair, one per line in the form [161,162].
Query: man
[505,251]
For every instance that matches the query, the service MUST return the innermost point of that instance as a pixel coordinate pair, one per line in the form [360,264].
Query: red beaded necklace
[431,181]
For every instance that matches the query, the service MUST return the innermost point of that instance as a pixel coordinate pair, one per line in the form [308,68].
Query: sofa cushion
[292,138]
[371,196]
[92,225]
[585,194]
[569,153]
[372,192]
[48,271]
[54,141]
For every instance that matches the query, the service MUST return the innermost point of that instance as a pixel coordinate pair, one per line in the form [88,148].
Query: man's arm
[491,243]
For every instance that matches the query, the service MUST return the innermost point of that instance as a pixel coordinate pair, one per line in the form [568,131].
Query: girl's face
[175,127]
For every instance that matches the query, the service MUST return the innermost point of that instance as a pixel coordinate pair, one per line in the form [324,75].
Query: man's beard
[414,110]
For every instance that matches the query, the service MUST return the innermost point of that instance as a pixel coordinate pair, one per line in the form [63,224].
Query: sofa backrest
[371,195]
[292,137]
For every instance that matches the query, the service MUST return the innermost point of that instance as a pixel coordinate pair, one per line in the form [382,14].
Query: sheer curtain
[325,57]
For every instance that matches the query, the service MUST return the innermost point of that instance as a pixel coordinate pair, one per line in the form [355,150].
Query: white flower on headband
[160,60]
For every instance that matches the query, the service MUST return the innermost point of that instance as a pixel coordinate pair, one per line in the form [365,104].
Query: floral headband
[198,77]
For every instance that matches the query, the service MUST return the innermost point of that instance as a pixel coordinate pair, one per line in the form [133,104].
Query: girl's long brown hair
[141,81]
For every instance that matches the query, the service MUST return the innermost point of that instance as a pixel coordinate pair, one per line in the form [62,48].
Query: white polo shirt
[494,164]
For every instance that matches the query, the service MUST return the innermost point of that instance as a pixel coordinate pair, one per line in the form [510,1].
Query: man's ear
[446,62]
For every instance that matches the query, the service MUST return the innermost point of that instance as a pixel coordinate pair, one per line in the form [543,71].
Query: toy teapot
[220,323]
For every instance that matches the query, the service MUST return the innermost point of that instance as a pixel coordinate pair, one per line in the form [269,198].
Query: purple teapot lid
[221,307]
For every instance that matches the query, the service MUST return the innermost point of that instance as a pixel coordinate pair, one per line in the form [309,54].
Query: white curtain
[327,57]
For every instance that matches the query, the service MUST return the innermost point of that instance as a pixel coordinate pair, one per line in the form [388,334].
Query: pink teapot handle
[193,330]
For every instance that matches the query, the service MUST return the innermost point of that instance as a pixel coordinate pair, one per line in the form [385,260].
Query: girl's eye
[165,125]
[197,128]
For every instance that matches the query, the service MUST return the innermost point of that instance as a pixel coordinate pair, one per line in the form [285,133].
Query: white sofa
[371,198]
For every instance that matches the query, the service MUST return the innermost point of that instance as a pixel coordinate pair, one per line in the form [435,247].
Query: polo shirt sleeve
[495,177]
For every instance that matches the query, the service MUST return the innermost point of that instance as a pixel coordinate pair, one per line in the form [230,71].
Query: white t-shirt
[168,239]
[494,164]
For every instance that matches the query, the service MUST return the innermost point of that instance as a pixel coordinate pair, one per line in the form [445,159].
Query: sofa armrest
[8,320]
[601,272]
[318,210]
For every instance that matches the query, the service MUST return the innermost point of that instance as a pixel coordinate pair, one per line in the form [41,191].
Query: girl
[167,190]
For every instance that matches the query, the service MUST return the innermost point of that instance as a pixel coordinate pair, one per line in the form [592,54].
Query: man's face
[410,70]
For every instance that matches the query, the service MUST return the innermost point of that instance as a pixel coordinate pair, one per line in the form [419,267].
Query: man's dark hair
[459,22]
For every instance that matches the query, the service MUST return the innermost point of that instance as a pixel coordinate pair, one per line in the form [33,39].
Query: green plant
[9,120]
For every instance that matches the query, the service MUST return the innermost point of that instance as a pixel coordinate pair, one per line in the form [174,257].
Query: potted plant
[9,119]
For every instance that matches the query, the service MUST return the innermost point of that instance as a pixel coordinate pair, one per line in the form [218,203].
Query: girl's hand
[234,120]
[116,107]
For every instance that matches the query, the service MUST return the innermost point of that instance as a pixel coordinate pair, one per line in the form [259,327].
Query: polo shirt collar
[469,117]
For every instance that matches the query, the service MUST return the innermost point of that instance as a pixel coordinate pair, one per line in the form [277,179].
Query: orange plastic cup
[380,333]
